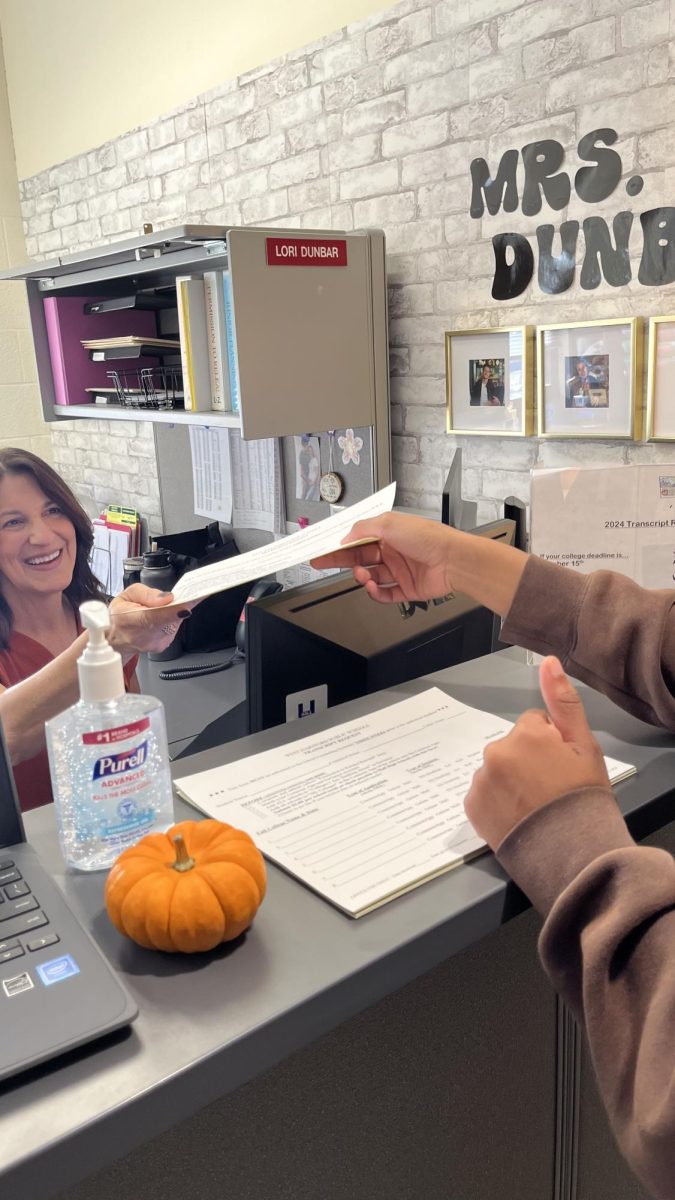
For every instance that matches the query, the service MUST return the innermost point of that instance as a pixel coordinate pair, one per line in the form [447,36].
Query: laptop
[57,991]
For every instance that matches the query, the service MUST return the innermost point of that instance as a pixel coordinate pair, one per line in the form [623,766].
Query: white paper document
[321,538]
[257,483]
[211,472]
[618,518]
[368,809]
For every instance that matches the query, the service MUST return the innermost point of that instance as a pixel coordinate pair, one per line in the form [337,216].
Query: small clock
[331,487]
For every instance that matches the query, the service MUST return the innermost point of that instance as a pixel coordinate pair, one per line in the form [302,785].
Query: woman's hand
[139,623]
[544,756]
[409,561]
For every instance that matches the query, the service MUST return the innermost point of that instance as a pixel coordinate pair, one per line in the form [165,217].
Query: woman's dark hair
[84,584]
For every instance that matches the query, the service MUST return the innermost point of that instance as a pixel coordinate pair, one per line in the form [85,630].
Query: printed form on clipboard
[366,810]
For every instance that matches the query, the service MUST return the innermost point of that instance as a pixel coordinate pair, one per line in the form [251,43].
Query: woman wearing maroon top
[45,542]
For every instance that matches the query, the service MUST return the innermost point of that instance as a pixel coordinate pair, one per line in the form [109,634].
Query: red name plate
[306,252]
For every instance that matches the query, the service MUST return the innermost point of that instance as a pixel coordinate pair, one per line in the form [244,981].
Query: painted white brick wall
[376,125]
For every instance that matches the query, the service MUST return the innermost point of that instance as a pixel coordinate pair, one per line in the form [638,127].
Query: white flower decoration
[350,446]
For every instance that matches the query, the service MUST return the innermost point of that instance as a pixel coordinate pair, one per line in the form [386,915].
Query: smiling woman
[45,542]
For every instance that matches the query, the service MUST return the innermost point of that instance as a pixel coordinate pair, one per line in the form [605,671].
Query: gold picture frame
[659,426]
[588,379]
[489,378]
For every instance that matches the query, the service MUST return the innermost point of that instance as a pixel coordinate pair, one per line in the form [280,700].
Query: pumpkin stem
[183,861]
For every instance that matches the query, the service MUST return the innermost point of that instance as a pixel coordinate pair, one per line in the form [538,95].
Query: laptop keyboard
[19,906]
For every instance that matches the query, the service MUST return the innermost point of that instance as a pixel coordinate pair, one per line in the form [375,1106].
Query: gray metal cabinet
[311,335]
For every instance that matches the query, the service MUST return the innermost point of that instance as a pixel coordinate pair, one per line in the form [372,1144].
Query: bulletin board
[357,477]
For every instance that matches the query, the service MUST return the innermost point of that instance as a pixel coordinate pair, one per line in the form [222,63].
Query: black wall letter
[504,183]
[510,281]
[596,183]
[657,265]
[615,263]
[541,160]
[557,274]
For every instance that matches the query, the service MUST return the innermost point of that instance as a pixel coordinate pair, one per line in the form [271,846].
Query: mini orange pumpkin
[191,888]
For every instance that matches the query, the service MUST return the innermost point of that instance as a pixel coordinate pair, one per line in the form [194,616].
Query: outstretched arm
[542,801]
[138,624]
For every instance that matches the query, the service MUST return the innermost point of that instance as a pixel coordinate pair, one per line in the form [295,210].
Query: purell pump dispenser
[108,757]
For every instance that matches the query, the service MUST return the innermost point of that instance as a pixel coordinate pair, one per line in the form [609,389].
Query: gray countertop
[209,1023]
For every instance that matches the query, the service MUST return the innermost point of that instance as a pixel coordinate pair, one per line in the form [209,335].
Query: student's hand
[139,623]
[543,757]
[409,561]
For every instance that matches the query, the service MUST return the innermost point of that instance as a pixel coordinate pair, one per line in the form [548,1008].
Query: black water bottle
[158,572]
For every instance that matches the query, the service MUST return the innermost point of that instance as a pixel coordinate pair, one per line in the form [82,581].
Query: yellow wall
[82,71]
[22,423]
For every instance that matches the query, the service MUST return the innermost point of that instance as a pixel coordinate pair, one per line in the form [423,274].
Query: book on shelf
[145,354]
[364,811]
[194,349]
[231,333]
[68,326]
[216,335]
[130,340]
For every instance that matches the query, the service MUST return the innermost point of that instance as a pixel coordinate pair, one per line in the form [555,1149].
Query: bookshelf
[310,324]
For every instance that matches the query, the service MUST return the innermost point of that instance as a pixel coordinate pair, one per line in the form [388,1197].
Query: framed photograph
[588,379]
[660,369]
[489,381]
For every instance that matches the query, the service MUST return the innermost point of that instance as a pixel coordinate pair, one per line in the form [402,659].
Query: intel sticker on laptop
[57,969]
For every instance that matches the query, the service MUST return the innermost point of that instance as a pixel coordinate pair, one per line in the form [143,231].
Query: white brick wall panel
[315,218]
[450,196]
[225,165]
[486,77]
[416,477]
[66,215]
[285,81]
[252,127]
[46,203]
[620,76]
[569,51]
[440,93]
[101,159]
[180,181]
[313,134]
[340,94]
[411,390]
[473,44]
[264,208]
[431,166]
[396,37]
[251,183]
[404,449]
[201,198]
[134,193]
[374,114]
[133,145]
[105,181]
[433,265]
[310,196]
[423,133]
[68,172]
[339,59]
[262,153]
[658,68]
[81,189]
[196,148]
[396,418]
[192,121]
[115,222]
[401,268]
[656,149]
[163,133]
[533,21]
[497,485]
[428,360]
[382,211]
[369,181]
[580,454]
[645,24]
[284,222]
[399,360]
[49,241]
[433,59]
[169,158]
[521,454]
[412,299]
[354,152]
[295,170]
[293,110]
[414,235]
[422,421]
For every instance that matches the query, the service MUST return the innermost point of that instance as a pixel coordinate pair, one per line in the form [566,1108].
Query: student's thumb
[563,703]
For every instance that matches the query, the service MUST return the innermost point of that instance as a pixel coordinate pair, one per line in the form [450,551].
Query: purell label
[118,764]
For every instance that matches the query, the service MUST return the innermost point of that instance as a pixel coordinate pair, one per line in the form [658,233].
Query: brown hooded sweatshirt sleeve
[607,631]
[608,942]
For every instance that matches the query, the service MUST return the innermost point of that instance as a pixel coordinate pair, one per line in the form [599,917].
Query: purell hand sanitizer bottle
[108,758]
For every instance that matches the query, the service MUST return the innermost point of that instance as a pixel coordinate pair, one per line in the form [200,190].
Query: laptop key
[15,952]
[14,890]
[39,943]
[9,944]
[17,907]
[9,875]
[33,921]
[5,863]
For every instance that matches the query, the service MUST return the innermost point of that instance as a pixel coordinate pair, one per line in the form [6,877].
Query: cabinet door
[304,331]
